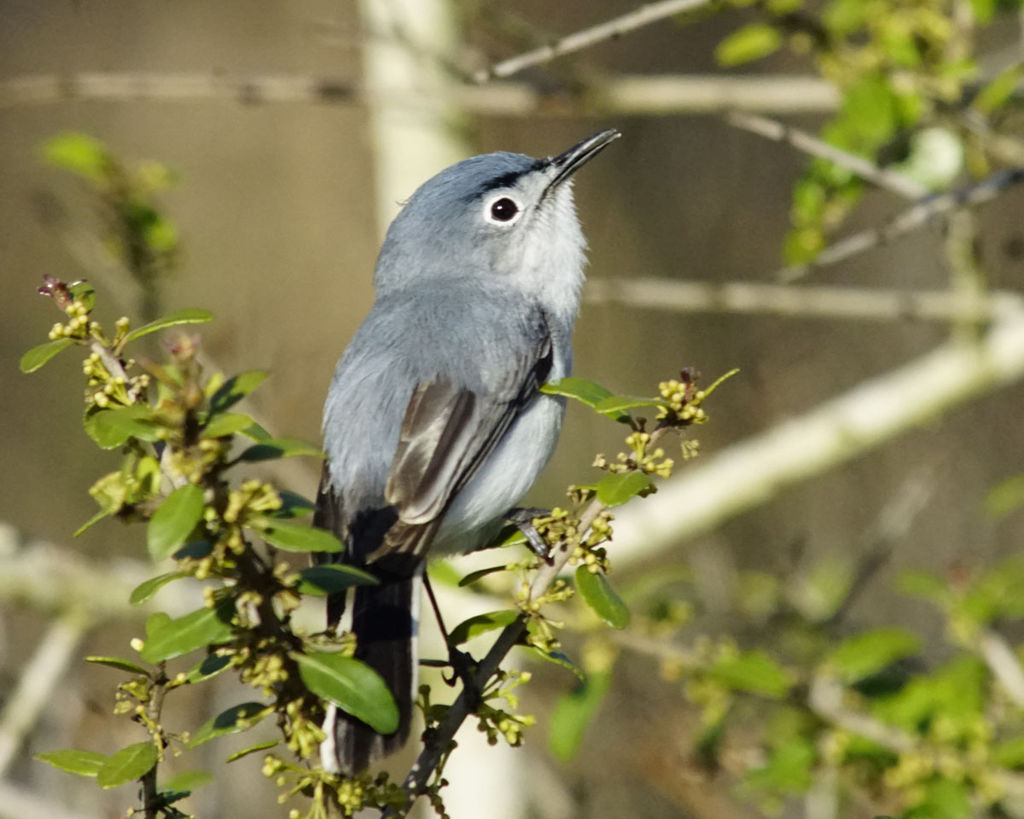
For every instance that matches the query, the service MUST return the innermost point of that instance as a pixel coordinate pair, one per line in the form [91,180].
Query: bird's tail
[385,621]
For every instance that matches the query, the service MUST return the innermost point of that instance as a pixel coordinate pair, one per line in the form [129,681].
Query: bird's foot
[523,521]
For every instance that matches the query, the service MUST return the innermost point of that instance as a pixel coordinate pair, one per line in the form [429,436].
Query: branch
[627,95]
[39,679]
[1003,663]
[585,38]
[439,740]
[802,302]
[750,473]
[984,191]
[893,181]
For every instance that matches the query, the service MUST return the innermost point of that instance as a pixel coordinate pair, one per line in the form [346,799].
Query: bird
[434,427]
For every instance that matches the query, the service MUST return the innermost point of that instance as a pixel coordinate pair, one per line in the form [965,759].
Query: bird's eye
[503,210]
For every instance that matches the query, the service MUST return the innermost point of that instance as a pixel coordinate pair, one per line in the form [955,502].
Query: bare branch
[1004,664]
[801,140]
[802,302]
[38,681]
[609,30]
[751,472]
[980,192]
[628,95]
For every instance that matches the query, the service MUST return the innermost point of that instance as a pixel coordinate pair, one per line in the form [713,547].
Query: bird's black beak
[566,164]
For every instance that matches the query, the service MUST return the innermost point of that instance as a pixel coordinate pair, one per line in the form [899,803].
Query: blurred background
[295,130]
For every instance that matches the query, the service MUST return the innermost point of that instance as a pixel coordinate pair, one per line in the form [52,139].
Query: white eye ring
[502,210]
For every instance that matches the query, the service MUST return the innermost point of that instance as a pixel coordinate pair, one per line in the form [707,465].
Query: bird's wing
[446,434]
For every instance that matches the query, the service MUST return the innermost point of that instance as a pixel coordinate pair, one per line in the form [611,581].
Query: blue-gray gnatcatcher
[434,427]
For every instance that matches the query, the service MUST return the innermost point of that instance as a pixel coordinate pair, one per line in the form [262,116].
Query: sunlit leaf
[172,638]
[573,713]
[479,574]
[619,487]
[330,578]
[351,685]
[481,624]
[226,423]
[188,315]
[601,597]
[174,520]
[111,428]
[293,537]
[187,781]
[580,389]
[279,448]
[232,721]
[236,388]
[147,588]
[38,356]
[263,746]
[872,651]
[127,765]
[754,672]
[83,763]
[119,664]
[81,154]
[752,42]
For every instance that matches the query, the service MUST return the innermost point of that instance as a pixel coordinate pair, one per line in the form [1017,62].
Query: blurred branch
[751,472]
[585,38]
[980,192]
[803,302]
[18,803]
[37,682]
[801,140]
[633,95]
[1004,664]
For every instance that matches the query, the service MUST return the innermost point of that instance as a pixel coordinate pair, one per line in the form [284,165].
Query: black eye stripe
[504,209]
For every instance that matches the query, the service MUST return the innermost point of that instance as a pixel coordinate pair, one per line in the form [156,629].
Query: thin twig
[585,38]
[1004,664]
[628,95]
[980,192]
[809,302]
[440,738]
[801,140]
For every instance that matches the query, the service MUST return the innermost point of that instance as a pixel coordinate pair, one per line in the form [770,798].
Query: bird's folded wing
[446,434]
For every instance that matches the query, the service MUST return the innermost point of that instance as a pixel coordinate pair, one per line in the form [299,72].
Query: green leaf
[187,781]
[615,405]
[580,389]
[81,154]
[1010,754]
[252,749]
[83,763]
[127,765]
[232,721]
[1005,498]
[84,292]
[601,597]
[111,428]
[788,769]
[873,651]
[226,423]
[944,799]
[293,505]
[293,537]
[189,315]
[351,685]
[480,624]
[166,639]
[236,388]
[479,574]
[556,658]
[923,584]
[119,664]
[207,668]
[749,43]
[103,513]
[573,712]
[279,448]
[619,487]
[38,356]
[147,588]
[329,578]
[174,520]
[754,672]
